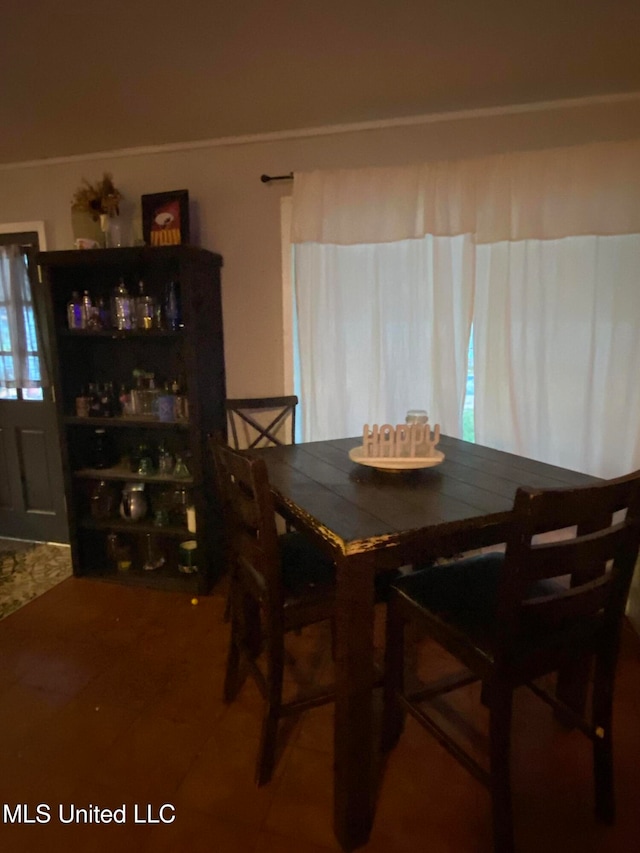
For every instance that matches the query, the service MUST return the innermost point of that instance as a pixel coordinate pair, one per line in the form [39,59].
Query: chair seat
[306,571]
[464,593]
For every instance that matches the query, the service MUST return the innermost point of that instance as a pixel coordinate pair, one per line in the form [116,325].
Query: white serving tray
[395,463]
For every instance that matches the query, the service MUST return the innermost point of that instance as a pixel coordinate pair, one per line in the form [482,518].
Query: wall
[239,217]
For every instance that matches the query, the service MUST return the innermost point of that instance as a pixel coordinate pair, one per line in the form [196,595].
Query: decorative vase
[111,228]
[86,230]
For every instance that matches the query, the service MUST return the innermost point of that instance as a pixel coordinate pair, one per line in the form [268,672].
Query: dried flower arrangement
[97,199]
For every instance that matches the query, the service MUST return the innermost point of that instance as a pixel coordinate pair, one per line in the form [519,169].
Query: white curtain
[379,336]
[556,343]
[20,365]
[539,248]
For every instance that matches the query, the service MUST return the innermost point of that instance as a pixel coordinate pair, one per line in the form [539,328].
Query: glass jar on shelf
[162,504]
[103,500]
[181,471]
[118,553]
[166,462]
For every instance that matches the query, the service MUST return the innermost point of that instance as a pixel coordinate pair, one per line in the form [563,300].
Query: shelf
[166,578]
[122,335]
[149,256]
[121,422]
[118,525]
[122,472]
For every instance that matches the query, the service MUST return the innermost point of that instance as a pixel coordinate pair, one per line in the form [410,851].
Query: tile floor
[111,695]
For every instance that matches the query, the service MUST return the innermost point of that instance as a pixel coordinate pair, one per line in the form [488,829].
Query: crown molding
[330,130]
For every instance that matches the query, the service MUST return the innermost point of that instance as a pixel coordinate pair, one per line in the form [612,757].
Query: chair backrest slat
[262,421]
[587,554]
[250,524]
[599,561]
[575,602]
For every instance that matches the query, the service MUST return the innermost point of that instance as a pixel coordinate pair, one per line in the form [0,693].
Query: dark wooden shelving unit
[135,528]
[194,353]
[123,472]
[126,422]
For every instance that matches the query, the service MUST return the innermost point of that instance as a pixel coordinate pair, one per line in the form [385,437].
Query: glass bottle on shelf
[95,404]
[104,317]
[87,310]
[121,314]
[154,557]
[101,455]
[145,309]
[142,450]
[179,505]
[107,400]
[113,546]
[172,306]
[74,311]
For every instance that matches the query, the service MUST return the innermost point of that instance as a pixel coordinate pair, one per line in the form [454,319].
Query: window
[468,420]
[18,337]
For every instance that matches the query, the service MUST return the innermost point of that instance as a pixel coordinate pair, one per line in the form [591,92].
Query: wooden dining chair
[510,620]
[262,421]
[278,584]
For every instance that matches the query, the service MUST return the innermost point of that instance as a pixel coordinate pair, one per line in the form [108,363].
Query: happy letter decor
[403,440]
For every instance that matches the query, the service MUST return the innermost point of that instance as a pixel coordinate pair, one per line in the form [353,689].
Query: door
[32,504]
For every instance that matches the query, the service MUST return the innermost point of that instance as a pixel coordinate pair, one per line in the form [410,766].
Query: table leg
[353,735]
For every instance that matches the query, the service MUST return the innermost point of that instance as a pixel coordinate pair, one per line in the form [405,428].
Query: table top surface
[356,508]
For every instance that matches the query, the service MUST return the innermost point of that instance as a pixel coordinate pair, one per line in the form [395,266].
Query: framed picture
[165,218]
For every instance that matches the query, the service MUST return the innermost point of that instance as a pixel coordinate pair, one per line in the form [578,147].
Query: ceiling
[96,75]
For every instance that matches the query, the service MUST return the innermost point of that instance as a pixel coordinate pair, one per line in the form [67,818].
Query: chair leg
[244,614]
[393,713]
[603,745]
[572,688]
[268,742]
[269,735]
[500,705]
[233,679]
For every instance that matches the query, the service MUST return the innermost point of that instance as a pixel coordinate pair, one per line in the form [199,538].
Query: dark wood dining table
[368,521]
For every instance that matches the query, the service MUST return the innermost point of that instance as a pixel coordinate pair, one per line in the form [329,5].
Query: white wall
[239,217]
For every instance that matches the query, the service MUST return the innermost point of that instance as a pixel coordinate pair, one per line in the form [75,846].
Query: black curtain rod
[268,178]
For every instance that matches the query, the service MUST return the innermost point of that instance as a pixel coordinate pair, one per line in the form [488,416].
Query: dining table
[368,521]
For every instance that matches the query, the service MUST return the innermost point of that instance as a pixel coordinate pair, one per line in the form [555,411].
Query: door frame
[21,227]
[37,228]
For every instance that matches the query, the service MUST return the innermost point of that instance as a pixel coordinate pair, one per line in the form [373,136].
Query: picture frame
[165,218]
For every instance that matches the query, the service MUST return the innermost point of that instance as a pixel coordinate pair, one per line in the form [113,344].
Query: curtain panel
[543,195]
[540,250]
